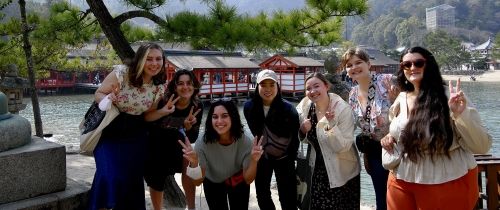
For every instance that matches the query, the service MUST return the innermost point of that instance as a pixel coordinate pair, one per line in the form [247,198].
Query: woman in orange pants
[431,141]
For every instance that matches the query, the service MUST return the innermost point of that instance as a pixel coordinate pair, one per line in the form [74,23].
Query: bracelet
[194,173]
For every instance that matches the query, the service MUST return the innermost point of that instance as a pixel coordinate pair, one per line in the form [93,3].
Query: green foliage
[145,4]
[318,24]
[447,50]
[134,33]
[475,20]
[51,37]
[496,47]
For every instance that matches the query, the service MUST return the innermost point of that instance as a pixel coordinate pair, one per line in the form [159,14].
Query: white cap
[266,74]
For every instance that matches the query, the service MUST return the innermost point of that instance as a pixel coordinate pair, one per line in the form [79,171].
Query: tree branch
[139,13]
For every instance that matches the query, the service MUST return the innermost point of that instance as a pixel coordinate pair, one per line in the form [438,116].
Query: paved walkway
[81,168]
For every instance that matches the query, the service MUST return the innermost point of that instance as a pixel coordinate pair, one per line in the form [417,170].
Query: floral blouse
[379,116]
[133,100]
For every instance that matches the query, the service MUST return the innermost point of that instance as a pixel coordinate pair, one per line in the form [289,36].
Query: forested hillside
[393,23]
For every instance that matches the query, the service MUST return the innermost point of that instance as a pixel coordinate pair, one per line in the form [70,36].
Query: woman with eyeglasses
[270,116]
[431,141]
[326,123]
[370,100]
[119,155]
[177,115]
[224,160]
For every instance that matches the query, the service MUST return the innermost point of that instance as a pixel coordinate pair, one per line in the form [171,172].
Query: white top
[470,137]
[337,144]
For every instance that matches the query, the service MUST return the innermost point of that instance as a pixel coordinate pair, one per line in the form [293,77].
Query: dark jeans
[218,194]
[379,179]
[284,172]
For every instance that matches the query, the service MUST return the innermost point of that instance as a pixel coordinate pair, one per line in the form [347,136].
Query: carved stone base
[32,170]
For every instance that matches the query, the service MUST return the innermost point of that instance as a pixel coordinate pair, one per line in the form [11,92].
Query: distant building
[381,63]
[440,17]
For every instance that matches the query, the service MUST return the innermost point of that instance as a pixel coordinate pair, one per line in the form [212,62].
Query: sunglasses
[224,99]
[406,65]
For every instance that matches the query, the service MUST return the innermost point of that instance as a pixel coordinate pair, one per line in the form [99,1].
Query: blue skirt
[119,157]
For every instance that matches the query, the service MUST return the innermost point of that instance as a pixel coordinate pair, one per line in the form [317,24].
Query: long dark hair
[172,85]
[136,66]
[278,123]
[236,130]
[429,125]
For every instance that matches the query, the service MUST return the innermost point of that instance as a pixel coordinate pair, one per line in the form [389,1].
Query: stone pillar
[29,166]
[12,85]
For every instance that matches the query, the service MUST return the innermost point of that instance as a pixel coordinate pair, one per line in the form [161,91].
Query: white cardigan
[337,144]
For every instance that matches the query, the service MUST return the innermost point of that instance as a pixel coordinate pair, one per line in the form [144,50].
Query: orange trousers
[458,194]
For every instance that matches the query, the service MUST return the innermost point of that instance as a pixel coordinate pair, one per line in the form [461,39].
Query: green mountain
[393,23]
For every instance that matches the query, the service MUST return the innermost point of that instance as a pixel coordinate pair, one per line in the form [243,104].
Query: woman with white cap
[275,120]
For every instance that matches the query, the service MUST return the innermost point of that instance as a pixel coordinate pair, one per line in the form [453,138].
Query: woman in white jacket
[328,126]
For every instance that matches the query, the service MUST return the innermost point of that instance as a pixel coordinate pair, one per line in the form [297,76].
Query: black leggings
[218,194]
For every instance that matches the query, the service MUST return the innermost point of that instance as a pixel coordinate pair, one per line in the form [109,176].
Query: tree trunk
[111,29]
[31,72]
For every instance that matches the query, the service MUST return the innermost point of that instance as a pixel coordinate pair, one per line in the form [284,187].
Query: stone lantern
[12,86]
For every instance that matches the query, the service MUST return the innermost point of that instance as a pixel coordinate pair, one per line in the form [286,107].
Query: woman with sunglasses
[225,160]
[432,138]
[119,156]
[270,116]
[370,100]
[328,126]
[176,115]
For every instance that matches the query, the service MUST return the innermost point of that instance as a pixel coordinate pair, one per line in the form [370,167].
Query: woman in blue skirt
[119,155]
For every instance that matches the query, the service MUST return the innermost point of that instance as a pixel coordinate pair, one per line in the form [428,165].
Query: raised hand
[387,142]
[330,112]
[257,150]
[392,89]
[188,151]
[191,118]
[457,101]
[115,90]
[170,105]
[306,126]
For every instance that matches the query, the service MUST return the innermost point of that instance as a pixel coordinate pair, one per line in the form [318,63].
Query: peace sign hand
[170,105]
[191,118]
[330,112]
[257,150]
[189,152]
[457,101]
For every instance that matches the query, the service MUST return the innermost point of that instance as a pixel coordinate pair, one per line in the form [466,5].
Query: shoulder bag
[94,122]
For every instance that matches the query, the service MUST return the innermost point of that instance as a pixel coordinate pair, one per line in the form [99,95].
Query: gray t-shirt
[221,162]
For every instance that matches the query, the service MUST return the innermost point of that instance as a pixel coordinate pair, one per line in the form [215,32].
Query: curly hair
[429,126]
[136,66]
[236,130]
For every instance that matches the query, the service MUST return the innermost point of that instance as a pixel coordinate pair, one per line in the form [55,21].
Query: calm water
[61,116]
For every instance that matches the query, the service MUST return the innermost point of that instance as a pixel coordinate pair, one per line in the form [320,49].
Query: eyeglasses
[406,65]
[224,99]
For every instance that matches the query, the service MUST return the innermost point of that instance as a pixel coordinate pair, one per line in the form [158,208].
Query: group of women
[417,145]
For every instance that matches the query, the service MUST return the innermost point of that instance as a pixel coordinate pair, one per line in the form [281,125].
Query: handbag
[274,146]
[92,125]
[95,120]
[303,177]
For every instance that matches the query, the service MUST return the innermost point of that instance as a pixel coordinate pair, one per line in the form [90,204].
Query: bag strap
[371,96]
